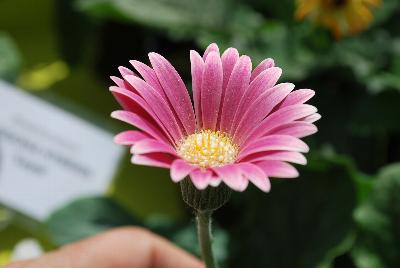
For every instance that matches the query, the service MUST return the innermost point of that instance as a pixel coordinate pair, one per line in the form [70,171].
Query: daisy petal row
[242,126]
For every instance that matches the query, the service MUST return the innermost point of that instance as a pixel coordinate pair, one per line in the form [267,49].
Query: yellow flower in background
[342,17]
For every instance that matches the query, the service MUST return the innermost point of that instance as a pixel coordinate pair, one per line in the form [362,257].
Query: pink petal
[211,48]
[139,122]
[211,90]
[130,137]
[152,146]
[274,143]
[132,102]
[261,107]
[180,169]
[159,106]
[231,175]
[229,59]
[161,160]
[237,85]
[282,116]
[197,68]
[125,71]
[278,169]
[175,90]
[267,79]
[296,129]
[149,76]
[215,181]
[264,65]
[311,118]
[118,81]
[299,96]
[293,157]
[123,84]
[256,175]
[200,178]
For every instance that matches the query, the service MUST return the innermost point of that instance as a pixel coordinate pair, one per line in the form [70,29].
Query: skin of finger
[120,248]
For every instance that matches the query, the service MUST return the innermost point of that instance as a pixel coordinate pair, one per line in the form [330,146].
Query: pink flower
[243,126]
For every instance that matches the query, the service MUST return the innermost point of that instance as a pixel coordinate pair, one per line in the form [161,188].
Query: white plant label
[48,156]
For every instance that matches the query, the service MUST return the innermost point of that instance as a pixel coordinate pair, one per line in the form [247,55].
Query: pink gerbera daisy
[242,127]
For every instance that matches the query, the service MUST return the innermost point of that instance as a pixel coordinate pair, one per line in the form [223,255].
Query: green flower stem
[204,235]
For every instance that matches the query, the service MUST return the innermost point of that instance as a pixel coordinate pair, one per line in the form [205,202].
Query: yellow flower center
[208,148]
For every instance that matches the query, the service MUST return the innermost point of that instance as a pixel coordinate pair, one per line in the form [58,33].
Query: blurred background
[343,210]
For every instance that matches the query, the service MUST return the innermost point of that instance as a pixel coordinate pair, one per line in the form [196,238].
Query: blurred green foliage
[378,221]
[9,58]
[298,47]
[344,210]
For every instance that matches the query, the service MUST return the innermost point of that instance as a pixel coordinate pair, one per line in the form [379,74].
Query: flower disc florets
[208,148]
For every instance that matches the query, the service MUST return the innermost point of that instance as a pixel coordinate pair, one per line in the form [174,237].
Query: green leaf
[86,217]
[301,223]
[273,9]
[158,13]
[378,222]
[89,216]
[9,58]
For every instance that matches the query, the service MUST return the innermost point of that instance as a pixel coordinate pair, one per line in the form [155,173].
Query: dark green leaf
[158,13]
[86,217]
[89,216]
[301,223]
[378,222]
